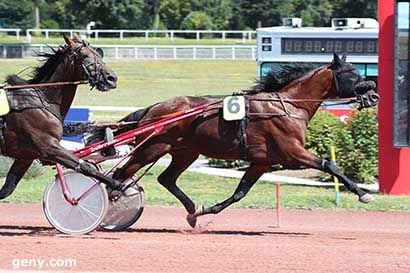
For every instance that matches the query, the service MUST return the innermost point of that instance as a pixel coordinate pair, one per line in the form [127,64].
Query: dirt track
[234,241]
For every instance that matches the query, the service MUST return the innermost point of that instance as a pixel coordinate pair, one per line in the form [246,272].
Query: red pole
[278,204]
[394,171]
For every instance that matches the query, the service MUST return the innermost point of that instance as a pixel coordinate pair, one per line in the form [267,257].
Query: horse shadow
[9,230]
[214,232]
[41,231]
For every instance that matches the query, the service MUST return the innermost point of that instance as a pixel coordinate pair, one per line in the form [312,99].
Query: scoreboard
[315,45]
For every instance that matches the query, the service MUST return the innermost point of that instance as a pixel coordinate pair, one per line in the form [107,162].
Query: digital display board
[330,45]
[401,114]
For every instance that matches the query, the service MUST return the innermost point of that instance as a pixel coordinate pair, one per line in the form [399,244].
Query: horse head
[349,83]
[90,60]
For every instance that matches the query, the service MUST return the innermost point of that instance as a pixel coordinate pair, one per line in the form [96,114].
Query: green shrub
[220,163]
[36,168]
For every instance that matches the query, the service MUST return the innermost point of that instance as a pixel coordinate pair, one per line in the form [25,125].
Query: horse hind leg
[16,172]
[180,162]
[252,174]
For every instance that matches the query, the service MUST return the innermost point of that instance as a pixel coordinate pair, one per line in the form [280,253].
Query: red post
[278,204]
[394,163]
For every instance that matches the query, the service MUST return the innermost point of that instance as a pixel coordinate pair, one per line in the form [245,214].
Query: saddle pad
[4,104]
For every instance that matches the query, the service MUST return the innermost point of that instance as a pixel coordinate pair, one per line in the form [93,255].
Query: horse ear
[337,62]
[69,41]
[344,57]
[77,37]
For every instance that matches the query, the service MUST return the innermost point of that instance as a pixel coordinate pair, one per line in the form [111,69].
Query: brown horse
[33,127]
[275,131]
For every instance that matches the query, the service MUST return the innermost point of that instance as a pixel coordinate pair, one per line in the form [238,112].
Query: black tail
[97,133]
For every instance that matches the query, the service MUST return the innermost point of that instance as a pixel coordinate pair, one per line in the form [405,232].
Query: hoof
[367,198]
[191,218]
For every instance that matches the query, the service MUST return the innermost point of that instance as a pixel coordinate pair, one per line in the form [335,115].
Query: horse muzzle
[369,99]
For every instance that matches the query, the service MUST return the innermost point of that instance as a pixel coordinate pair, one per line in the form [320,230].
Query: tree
[197,20]
[356,8]
[316,13]
[18,14]
[110,14]
[173,12]
[219,11]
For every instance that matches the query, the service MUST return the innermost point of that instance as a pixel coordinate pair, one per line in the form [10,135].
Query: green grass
[142,83]
[208,190]
[56,40]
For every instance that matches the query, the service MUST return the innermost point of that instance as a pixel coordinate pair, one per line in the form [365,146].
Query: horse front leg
[58,154]
[301,156]
[252,174]
[16,172]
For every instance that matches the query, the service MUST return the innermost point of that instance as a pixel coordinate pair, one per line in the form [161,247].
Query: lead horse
[33,128]
[274,131]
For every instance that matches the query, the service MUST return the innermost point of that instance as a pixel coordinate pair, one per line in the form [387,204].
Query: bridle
[94,75]
[93,69]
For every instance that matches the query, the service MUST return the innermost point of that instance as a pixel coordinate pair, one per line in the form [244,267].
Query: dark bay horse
[275,131]
[33,128]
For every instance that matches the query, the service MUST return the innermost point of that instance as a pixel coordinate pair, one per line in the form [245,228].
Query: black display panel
[401,114]
[326,46]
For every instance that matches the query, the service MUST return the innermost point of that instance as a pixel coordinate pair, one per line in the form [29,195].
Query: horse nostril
[375,97]
[111,78]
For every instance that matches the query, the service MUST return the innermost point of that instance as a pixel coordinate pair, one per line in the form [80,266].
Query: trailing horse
[273,131]
[33,127]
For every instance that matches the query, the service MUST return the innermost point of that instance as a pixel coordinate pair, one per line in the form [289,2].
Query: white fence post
[233,53]
[136,53]
[198,36]
[155,54]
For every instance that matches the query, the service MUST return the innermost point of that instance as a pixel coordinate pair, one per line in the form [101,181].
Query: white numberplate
[234,108]
[4,104]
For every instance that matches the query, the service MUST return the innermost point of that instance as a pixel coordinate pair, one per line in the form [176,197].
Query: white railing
[146,52]
[171,34]
[15,30]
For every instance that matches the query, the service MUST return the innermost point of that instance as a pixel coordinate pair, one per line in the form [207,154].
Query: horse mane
[50,63]
[44,71]
[16,80]
[279,77]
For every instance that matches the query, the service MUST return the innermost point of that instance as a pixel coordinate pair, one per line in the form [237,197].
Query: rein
[49,84]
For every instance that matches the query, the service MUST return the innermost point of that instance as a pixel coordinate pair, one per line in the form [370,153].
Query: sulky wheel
[124,211]
[83,217]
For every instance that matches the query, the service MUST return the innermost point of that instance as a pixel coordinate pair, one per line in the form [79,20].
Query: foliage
[148,14]
[18,14]
[225,163]
[35,170]
[107,14]
[197,20]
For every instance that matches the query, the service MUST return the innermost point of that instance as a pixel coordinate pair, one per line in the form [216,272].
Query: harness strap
[2,140]
[243,138]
